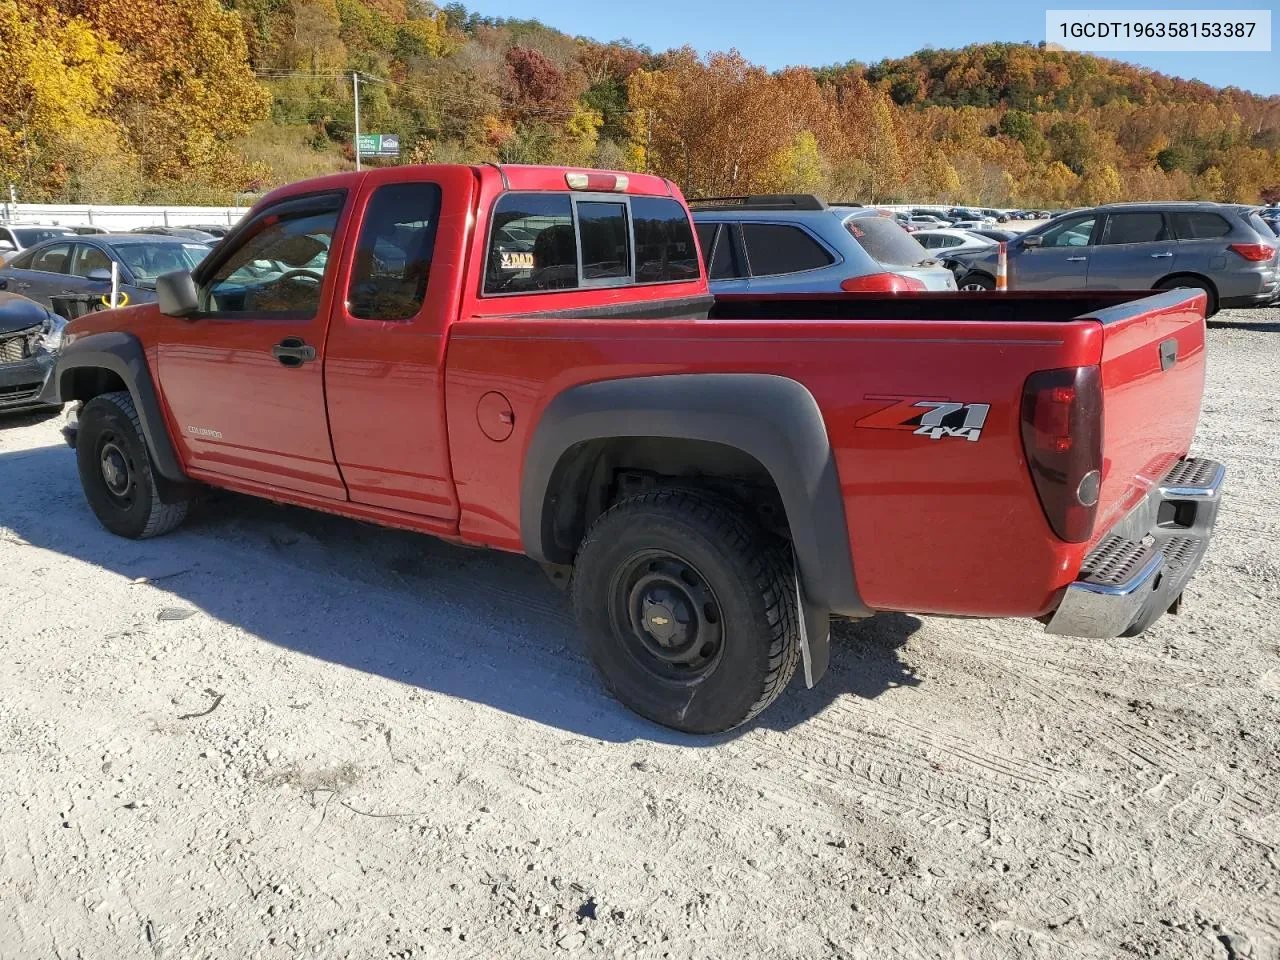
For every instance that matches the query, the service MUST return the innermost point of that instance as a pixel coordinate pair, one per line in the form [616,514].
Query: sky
[812,33]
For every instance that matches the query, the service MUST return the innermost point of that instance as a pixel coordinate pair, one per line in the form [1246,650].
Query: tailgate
[1153,360]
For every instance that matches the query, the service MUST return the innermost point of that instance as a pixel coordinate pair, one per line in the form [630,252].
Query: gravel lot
[277,734]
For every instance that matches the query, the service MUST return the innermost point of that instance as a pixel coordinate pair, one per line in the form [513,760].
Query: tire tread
[771,574]
[161,517]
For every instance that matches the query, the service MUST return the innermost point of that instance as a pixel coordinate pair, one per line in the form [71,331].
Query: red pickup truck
[527,358]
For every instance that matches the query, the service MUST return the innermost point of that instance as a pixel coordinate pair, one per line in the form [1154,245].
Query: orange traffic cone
[1002,267]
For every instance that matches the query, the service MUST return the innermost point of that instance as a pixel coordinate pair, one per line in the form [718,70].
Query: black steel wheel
[667,615]
[688,609]
[115,470]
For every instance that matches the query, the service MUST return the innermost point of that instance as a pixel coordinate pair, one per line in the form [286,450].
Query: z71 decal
[934,419]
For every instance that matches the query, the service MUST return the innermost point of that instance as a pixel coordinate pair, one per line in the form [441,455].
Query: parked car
[927,221]
[218,230]
[999,236]
[776,244]
[972,224]
[934,213]
[182,233]
[951,240]
[903,219]
[88,229]
[82,266]
[16,237]
[30,336]
[1219,248]
[1271,217]
[707,474]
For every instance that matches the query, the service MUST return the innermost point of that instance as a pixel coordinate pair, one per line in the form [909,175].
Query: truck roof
[511,176]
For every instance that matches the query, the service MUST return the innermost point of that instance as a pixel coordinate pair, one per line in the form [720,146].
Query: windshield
[886,241]
[32,235]
[146,261]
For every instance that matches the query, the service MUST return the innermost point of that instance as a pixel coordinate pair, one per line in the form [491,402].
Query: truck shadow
[1260,327]
[473,624]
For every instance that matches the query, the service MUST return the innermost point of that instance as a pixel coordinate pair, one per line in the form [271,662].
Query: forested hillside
[150,100]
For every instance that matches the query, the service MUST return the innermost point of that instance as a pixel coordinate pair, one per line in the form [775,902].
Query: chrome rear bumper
[1138,571]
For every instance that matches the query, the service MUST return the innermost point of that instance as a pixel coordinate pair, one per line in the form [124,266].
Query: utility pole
[355,89]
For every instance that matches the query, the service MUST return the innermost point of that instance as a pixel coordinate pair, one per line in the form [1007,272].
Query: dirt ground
[280,734]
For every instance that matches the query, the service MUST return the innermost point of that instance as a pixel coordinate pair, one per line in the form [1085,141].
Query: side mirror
[99,275]
[1032,241]
[176,294]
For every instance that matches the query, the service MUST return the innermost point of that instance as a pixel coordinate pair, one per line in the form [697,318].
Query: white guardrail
[117,217]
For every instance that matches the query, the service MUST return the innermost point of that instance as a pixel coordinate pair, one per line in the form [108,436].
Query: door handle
[1157,255]
[293,352]
[1070,259]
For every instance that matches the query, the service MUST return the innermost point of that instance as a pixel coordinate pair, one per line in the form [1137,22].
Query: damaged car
[30,337]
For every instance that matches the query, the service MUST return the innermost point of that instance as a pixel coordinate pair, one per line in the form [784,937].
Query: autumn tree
[184,90]
[56,139]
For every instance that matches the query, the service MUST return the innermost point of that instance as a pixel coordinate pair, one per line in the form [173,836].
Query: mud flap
[815,633]
[71,423]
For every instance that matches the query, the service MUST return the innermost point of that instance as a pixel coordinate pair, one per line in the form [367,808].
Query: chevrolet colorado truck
[527,358]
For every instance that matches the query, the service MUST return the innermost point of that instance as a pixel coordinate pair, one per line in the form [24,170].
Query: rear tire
[116,472]
[689,613]
[1174,283]
[975,282]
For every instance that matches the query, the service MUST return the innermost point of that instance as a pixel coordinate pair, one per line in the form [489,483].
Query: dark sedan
[30,337]
[81,266]
[182,233]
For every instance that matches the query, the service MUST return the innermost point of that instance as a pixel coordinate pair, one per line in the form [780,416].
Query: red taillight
[1257,252]
[1062,438]
[881,283]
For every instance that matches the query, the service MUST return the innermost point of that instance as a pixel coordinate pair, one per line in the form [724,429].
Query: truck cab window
[532,244]
[606,250]
[277,269]
[393,259]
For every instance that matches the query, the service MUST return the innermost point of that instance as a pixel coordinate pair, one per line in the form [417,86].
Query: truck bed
[1049,306]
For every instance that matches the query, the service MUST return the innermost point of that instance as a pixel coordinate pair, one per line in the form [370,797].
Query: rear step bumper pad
[1139,570]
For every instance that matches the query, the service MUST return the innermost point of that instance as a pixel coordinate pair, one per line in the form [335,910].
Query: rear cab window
[886,242]
[542,242]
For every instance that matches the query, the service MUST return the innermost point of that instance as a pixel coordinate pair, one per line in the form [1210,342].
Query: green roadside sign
[378,144]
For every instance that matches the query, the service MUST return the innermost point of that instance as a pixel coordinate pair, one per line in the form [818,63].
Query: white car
[973,224]
[16,237]
[925,222]
[952,240]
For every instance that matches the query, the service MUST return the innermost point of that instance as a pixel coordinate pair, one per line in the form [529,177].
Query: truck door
[243,377]
[384,362]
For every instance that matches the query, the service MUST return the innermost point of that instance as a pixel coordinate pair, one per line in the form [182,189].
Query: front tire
[689,613]
[116,471]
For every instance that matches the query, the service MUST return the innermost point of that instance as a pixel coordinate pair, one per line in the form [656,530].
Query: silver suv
[798,244]
[1224,249]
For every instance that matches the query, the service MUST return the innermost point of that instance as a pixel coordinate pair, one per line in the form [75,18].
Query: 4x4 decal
[934,419]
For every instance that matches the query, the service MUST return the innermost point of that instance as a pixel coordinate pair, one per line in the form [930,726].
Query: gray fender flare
[773,419]
[123,355]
